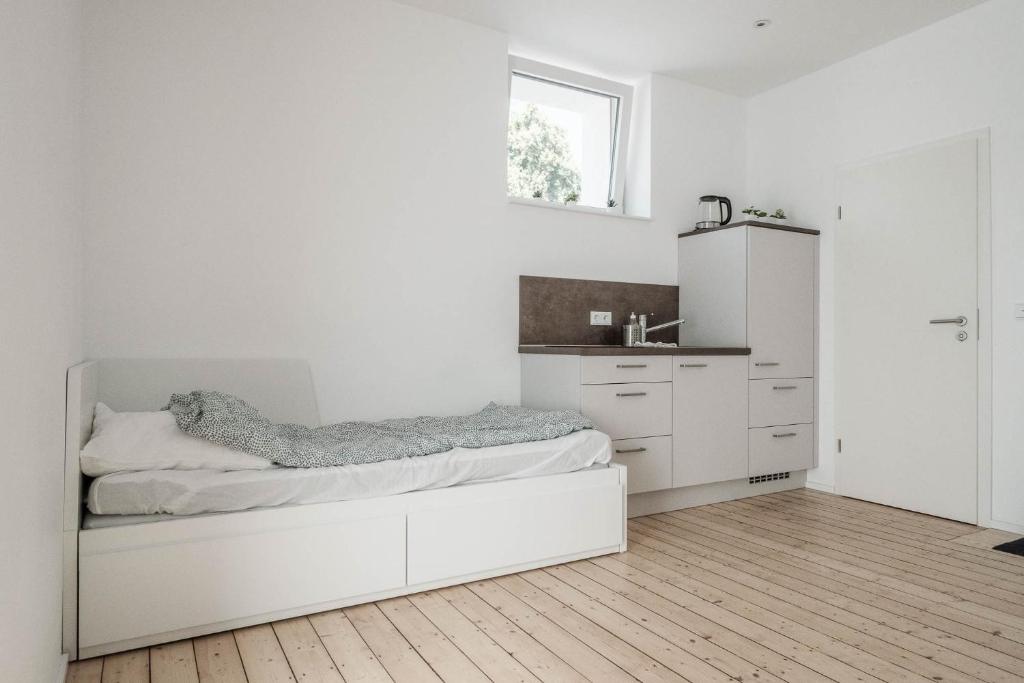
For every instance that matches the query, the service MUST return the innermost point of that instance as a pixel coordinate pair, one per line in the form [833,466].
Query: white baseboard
[62,668]
[656,502]
[820,486]
[1004,526]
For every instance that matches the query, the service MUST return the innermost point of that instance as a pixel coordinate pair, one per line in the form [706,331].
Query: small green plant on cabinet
[612,203]
[538,194]
[572,197]
[779,215]
[749,211]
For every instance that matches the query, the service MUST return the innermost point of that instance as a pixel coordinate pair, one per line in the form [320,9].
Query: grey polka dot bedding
[230,421]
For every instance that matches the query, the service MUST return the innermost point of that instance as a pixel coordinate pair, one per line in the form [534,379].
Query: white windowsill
[544,204]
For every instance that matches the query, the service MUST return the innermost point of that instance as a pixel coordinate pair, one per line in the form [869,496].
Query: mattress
[195,492]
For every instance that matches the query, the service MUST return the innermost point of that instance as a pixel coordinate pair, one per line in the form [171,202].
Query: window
[567,136]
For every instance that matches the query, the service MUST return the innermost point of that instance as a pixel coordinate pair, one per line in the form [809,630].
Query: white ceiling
[707,42]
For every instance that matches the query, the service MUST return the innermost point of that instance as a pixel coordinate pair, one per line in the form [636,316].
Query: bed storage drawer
[781,402]
[623,369]
[135,584]
[780,449]
[629,411]
[527,522]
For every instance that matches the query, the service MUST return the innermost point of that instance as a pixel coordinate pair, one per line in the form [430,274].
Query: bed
[244,548]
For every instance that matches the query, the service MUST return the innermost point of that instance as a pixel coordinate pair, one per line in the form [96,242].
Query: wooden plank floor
[795,586]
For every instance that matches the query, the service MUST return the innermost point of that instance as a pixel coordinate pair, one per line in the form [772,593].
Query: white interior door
[906,259]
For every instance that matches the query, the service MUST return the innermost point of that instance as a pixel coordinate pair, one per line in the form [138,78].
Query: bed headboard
[282,390]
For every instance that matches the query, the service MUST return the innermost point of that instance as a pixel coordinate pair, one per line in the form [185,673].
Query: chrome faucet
[644,329]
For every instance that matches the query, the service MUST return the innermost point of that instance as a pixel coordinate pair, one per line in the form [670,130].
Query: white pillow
[133,442]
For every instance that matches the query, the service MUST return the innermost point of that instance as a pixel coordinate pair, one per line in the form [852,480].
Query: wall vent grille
[769,477]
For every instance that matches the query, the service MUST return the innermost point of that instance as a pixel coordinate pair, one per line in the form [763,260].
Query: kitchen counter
[598,350]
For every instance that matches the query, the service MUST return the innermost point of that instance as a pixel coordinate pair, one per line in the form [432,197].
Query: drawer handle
[788,386]
[779,436]
[633,393]
[693,365]
[630,450]
[631,365]
[766,364]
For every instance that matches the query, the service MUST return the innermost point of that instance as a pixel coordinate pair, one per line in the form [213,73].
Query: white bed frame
[138,585]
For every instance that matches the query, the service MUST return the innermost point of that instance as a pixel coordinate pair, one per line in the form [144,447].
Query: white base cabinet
[675,421]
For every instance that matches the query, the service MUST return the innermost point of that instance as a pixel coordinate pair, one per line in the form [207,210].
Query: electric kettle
[711,215]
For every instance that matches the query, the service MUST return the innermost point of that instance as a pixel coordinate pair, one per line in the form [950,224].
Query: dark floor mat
[1014,547]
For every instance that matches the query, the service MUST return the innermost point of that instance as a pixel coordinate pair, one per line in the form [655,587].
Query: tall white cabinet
[755,285]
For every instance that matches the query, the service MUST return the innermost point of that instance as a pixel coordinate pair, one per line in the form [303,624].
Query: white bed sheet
[193,492]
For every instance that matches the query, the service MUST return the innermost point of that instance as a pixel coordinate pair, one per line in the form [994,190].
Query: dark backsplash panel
[557,310]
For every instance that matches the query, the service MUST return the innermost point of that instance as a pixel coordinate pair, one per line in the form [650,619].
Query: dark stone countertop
[584,350]
[785,227]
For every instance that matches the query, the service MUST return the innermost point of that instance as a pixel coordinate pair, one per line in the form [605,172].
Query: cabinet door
[709,425]
[780,303]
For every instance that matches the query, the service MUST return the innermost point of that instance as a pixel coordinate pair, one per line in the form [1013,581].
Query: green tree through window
[539,158]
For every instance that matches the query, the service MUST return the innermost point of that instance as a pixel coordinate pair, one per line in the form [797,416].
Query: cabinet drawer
[780,449]
[781,402]
[617,369]
[628,411]
[649,462]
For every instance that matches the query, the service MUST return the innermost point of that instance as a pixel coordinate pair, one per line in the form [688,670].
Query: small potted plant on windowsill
[779,217]
[571,198]
[537,194]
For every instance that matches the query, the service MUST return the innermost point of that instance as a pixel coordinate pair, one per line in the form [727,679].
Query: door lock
[961,336]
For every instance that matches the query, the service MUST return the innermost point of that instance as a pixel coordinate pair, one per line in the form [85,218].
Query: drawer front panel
[485,536]
[781,449]
[620,369]
[629,411]
[649,462]
[781,402]
[140,591]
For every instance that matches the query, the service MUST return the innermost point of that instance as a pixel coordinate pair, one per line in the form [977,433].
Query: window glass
[561,142]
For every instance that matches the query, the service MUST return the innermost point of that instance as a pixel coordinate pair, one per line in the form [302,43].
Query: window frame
[528,68]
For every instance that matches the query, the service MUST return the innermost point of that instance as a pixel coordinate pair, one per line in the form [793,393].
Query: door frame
[982,137]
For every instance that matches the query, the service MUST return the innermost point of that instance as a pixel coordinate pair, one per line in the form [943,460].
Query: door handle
[630,450]
[766,364]
[631,365]
[782,436]
[693,365]
[632,393]
[959,320]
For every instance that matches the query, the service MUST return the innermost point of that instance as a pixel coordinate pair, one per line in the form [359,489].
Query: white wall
[329,184]
[40,328]
[958,75]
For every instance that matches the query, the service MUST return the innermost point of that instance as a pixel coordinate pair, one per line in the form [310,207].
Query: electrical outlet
[1018,311]
[600,318]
